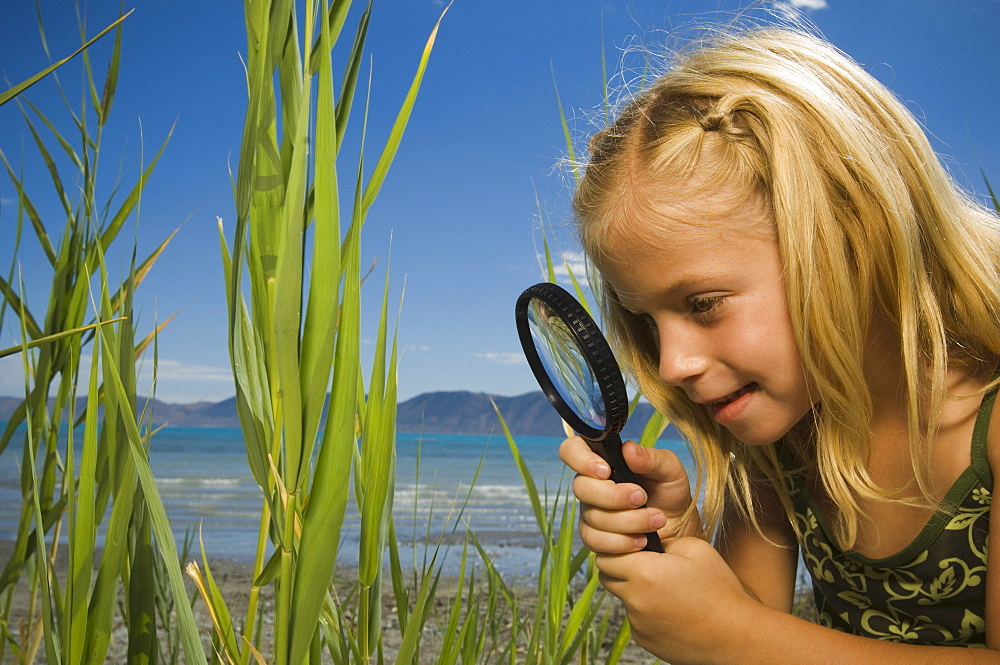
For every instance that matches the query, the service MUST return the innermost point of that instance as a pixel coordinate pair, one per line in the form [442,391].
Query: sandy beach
[234,579]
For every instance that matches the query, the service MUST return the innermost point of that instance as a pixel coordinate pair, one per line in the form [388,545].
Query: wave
[205,481]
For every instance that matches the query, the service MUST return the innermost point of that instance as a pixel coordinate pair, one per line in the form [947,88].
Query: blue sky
[460,207]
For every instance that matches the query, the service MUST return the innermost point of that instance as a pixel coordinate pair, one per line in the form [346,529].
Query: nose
[683,356]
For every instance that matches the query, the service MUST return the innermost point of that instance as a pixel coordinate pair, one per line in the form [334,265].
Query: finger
[577,455]
[632,522]
[607,494]
[622,568]
[610,542]
[659,464]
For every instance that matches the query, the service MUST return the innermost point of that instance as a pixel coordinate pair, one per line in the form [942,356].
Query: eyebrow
[687,283]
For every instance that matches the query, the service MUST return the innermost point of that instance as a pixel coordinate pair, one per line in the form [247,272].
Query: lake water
[205,482]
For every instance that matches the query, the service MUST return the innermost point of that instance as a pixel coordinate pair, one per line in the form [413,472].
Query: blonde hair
[867,221]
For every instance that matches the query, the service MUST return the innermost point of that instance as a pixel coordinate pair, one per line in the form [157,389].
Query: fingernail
[603,470]
[657,521]
[638,498]
[640,541]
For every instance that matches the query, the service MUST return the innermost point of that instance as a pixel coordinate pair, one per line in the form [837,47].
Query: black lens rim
[596,350]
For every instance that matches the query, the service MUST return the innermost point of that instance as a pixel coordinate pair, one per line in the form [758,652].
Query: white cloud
[502,358]
[176,370]
[566,262]
[808,4]
[177,381]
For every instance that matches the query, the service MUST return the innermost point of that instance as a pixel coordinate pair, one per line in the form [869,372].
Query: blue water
[205,483]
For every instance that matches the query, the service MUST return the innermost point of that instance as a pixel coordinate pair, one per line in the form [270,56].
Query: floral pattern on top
[931,592]
[936,595]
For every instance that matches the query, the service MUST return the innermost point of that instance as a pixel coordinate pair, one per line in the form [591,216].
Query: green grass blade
[580,295]
[288,298]
[130,202]
[398,127]
[14,91]
[653,429]
[51,634]
[993,196]
[377,455]
[349,85]
[141,593]
[526,477]
[63,143]
[619,643]
[24,202]
[580,616]
[84,526]
[9,351]
[110,80]
[567,135]
[319,332]
[160,525]
[328,500]
[49,164]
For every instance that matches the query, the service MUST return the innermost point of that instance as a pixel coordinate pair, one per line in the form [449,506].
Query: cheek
[765,333]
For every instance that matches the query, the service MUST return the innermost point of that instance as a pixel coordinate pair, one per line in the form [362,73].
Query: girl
[793,279]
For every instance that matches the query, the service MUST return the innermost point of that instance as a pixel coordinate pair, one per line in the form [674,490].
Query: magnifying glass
[577,371]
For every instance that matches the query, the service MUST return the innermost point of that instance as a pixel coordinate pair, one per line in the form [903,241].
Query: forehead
[704,241]
[675,216]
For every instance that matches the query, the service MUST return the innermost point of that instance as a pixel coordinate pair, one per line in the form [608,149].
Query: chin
[757,438]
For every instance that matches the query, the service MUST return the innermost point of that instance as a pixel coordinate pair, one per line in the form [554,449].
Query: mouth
[729,407]
[733,396]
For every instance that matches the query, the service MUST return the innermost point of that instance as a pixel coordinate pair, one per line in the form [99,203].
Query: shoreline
[234,579]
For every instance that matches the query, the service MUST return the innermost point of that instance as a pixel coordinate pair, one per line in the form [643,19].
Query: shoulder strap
[980,461]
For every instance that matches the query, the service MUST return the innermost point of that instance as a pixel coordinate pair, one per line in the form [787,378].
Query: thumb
[659,464]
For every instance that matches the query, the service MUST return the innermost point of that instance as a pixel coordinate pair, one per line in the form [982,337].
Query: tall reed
[110,485]
[293,282]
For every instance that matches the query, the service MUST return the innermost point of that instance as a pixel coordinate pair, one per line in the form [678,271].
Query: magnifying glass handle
[611,450]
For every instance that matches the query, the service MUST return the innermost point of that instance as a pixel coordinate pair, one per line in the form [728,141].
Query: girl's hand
[615,516]
[685,605]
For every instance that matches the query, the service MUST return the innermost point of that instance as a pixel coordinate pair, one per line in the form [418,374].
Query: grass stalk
[293,284]
[60,491]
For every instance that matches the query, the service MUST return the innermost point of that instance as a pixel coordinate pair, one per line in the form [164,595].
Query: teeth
[731,396]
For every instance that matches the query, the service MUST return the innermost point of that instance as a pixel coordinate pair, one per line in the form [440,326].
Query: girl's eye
[704,305]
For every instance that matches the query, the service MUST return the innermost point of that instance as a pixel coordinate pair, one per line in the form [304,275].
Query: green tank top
[931,592]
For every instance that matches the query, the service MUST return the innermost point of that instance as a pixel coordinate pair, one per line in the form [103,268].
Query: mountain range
[447,412]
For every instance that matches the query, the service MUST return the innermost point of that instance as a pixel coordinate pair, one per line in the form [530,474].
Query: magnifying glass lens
[577,372]
[566,364]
